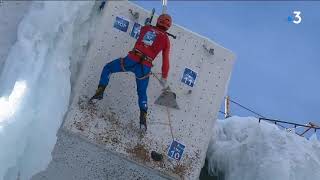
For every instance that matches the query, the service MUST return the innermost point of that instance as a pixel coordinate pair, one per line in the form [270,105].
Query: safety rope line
[285,122]
[277,122]
[258,114]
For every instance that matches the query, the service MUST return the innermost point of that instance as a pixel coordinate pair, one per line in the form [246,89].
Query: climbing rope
[167,109]
[169,119]
[164,6]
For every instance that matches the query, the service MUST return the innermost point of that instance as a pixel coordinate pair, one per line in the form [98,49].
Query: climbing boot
[143,119]
[99,93]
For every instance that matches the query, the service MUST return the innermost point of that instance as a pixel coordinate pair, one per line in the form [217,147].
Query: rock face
[113,122]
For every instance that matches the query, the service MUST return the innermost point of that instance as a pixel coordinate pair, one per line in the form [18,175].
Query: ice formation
[35,84]
[244,149]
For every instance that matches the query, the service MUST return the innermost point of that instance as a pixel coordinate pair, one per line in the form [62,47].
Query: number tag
[149,38]
[135,30]
[189,77]
[176,150]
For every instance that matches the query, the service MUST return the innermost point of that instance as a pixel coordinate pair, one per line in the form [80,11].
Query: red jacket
[151,41]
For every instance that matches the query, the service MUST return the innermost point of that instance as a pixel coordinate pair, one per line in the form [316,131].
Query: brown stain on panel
[140,152]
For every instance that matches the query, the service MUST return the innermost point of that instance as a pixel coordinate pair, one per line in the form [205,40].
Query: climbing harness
[142,59]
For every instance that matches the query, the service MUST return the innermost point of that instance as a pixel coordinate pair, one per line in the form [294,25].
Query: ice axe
[148,21]
[167,98]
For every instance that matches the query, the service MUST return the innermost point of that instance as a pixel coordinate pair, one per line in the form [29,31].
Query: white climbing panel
[114,121]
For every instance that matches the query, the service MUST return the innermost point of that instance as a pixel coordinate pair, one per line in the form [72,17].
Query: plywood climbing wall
[200,70]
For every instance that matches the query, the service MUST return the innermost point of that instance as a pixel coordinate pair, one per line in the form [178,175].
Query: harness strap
[122,64]
[144,77]
[142,56]
[124,70]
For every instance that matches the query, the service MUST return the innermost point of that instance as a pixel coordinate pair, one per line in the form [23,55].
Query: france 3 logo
[295,18]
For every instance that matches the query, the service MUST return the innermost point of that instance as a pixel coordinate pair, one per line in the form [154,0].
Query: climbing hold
[209,50]
[156,156]
[135,15]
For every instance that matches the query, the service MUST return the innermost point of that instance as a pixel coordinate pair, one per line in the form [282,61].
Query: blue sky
[278,63]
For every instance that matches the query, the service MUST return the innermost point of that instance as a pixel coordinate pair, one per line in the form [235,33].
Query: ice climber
[151,41]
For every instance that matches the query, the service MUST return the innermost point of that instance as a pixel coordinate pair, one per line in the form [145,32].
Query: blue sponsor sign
[176,150]
[149,38]
[135,32]
[121,24]
[189,77]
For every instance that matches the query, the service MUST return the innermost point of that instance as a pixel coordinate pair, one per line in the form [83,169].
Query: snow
[244,149]
[9,106]
[35,84]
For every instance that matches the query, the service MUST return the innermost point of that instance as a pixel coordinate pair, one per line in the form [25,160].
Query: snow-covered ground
[244,149]
[35,83]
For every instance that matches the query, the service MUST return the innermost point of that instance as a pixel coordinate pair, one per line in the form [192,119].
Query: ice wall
[35,85]
[244,149]
[113,122]
[11,14]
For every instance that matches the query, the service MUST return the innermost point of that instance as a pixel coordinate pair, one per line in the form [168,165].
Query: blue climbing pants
[130,66]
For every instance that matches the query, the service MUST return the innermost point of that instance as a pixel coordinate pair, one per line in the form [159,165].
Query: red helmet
[164,21]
